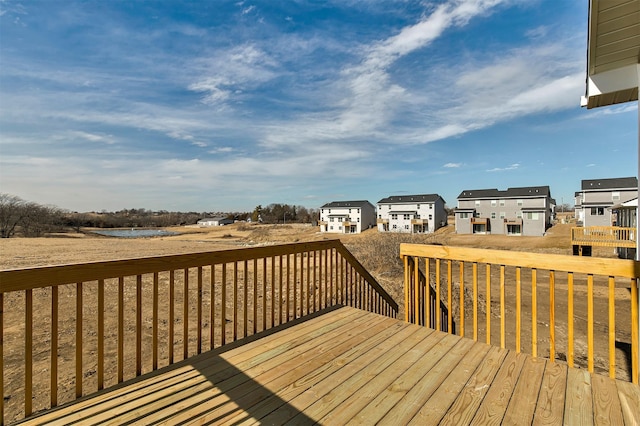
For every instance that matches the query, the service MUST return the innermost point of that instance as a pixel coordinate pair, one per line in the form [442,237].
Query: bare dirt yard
[379,253]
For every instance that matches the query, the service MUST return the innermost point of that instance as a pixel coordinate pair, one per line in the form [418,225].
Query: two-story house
[418,214]
[516,211]
[347,217]
[593,203]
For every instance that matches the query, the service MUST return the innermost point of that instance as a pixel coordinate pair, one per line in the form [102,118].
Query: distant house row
[516,211]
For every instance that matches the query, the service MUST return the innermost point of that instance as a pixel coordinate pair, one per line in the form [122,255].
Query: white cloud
[513,166]
[452,165]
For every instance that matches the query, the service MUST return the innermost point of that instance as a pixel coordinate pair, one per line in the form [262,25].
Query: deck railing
[583,310]
[603,236]
[66,331]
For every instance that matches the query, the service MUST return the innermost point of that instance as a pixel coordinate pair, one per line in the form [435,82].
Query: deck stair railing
[67,331]
[582,310]
[431,316]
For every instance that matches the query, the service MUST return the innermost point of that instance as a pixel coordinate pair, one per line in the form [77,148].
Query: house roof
[608,184]
[211,219]
[404,199]
[613,53]
[523,192]
[358,203]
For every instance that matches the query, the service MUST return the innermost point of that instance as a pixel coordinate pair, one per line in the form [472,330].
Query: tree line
[19,217]
[284,213]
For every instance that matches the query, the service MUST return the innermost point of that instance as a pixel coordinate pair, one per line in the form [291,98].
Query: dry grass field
[379,253]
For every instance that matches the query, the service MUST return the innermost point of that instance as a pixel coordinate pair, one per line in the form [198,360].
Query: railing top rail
[46,276]
[553,262]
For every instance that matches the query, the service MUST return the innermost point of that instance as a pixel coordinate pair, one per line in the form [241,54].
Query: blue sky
[221,106]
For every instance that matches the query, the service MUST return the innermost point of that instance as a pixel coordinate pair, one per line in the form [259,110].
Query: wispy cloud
[452,165]
[513,166]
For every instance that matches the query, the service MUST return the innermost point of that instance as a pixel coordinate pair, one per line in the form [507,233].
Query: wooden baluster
[121,330]
[407,287]
[255,296]
[427,295]
[635,373]
[54,348]
[28,353]
[502,308]
[172,313]
[273,291]
[612,327]
[315,276]
[185,314]
[518,308]
[245,300]
[79,321]
[437,305]
[138,325]
[552,316]
[416,291]
[235,301]
[2,358]
[281,298]
[199,312]
[212,308]
[449,298]
[223,306]
[488,301]
[474,269]
[295,286]
[570,336]
[534,312]
[590,323]
[288,298]
[100,366]
[155,321]
[264,293]
[461,264]
[308,282]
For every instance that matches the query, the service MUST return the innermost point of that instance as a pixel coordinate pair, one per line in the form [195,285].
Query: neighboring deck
[350,366]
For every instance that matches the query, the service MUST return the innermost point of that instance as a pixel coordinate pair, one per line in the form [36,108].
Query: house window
[349,210]
[417,216]
[464,215]
[519,202]
[406,227]
[430,216]
[532,215]
[597,211]
[395,226]
[615,195]
[407,217]
[477,203]
[329,211]
[519,215]
[358,220]
[493,215]
[394,216]
[331,227]
[502,215]
[418,206]
[430,206]
[493,203]
[330,219]
[502,202]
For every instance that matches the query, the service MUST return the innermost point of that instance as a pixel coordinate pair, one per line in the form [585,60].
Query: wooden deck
[347,366]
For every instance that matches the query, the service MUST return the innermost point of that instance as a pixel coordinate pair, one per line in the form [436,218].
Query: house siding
[516,211]
[598,196]
[411,213]
[347,217]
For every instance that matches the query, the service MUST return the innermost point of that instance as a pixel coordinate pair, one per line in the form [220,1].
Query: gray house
[416,214]
[516,211]
[347,217]
[593,203]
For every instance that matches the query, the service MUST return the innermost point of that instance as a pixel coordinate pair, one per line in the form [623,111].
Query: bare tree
[12,210]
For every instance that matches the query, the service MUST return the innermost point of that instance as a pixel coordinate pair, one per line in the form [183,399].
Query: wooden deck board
[346,366]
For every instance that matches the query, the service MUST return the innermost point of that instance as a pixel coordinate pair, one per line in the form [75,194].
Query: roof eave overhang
[613,53]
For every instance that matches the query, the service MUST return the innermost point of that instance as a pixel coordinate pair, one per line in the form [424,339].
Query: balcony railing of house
[582,310]
[604,236]
[66,331]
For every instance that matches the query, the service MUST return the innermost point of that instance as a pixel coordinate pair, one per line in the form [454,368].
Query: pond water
[135,233]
